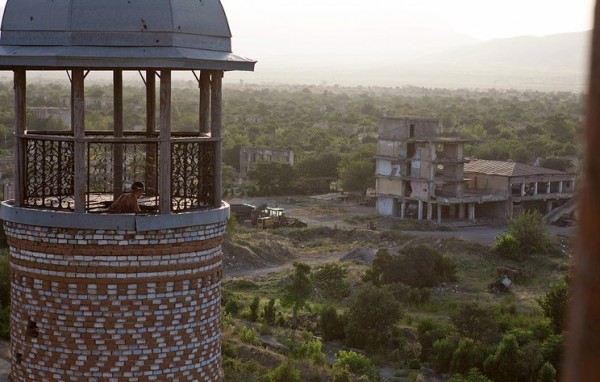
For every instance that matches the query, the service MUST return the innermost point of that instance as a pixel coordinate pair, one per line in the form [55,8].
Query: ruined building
[423,175]
[132,295]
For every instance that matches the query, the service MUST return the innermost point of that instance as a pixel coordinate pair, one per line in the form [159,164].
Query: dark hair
[137,186]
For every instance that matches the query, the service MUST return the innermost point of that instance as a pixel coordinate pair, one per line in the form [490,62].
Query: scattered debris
[363,256]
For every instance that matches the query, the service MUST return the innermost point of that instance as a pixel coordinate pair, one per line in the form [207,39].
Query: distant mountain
[548,63]
[555,62]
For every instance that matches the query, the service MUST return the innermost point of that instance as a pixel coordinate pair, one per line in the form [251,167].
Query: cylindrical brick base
[112,305]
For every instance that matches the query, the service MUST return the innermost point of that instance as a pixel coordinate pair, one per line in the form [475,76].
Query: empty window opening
[412,130]
[19,358]
[32,330]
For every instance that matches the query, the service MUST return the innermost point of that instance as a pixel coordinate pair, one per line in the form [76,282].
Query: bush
[547,373]
[286,372]
[371,314]
[254,309]
[429,331]
[248,335]
[474,375]
[442,352]
[418,266]
[506,245]
[332,327]
[554,304]
[476,322]
[330,281]
[311,350]
[529,231]
[506,364]
[270,313]
[355,363]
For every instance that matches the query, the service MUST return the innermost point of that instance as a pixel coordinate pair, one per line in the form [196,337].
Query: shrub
[270,312]
[332,327]
[468,355]
[506,245]
[355,363]
[330,281]
[547,373]
[311,350]
[254,309]
[476,322]
[418,266]
[529,231]
[441,354]
[286,372]
[554,304]
[429,331]
[371,314]
[248,335]
[474,375]
[506,364]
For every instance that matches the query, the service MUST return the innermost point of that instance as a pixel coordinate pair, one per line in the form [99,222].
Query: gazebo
[125,296]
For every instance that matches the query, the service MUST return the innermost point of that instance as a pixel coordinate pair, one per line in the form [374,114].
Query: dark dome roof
[178,34]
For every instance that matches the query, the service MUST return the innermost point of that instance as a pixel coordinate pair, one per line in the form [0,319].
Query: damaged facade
[423,175]
[250,156]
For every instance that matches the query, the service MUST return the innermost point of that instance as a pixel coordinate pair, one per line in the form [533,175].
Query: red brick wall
[115,305]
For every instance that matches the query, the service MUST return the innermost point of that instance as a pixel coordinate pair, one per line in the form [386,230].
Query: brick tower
[129,296]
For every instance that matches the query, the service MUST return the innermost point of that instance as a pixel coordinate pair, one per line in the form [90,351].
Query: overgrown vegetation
[398,312]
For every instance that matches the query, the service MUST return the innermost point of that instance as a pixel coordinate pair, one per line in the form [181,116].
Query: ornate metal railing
[192,175]
[112,165]
[49,173]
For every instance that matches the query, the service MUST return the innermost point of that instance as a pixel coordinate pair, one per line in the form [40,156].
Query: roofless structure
[123,297]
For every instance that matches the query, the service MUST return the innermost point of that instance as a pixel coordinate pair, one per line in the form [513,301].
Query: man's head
[137,188]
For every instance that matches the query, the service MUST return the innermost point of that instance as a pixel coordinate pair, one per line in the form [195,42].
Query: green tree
[286,372]
[272,178]
[332,326]
[269,312]
[547,373]
[355,363]
[530,232]
[254,309]
[428,332]
[554,304]
[476,322]
[357,170]
[298,290]
[506,364]
[372,313]
[474,375]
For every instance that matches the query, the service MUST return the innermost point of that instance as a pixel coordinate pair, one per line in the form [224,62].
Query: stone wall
[111,305]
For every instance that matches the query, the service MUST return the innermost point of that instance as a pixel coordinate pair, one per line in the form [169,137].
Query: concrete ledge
[127,222]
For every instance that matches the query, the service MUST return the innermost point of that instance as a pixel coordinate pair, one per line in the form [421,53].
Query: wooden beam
[165,142]
[151,153]
[204,109]
[20,83]
[78,126]
[216,108]
[583,344]
[118,133]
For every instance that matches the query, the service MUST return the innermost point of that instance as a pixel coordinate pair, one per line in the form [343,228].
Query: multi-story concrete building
[422,174]
[249,156]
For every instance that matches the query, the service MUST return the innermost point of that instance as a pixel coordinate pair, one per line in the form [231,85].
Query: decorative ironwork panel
[136,160]
[49,174]
[192,175]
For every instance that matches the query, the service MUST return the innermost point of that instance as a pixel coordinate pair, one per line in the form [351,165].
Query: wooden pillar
[402,210]
[535,188]
[548,190]
[461,211]
[204,110]
[78,126]
[560,187]
[420,210]
[522,189]
[20,83]
[439,214]
[151,152]
[215,128]
[165,142]
[118,133]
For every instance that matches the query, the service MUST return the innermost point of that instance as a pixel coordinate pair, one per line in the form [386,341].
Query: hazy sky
[287,34]
[264,24]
